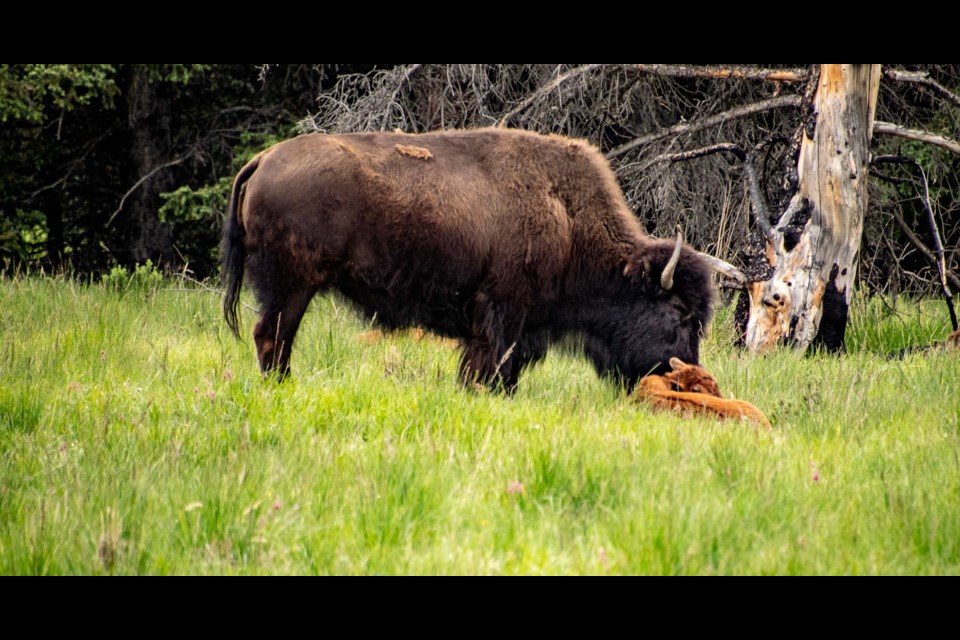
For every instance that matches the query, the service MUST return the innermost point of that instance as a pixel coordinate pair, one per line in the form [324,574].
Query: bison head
[692,378]
[661,312]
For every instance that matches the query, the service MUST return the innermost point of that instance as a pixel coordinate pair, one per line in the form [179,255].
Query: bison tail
[232,251]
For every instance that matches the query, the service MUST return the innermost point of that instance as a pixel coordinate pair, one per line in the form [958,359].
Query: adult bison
[507,240]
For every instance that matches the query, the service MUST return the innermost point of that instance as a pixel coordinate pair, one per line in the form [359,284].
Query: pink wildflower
[515,487]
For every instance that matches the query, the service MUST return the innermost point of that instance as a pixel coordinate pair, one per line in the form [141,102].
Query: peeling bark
[814,246]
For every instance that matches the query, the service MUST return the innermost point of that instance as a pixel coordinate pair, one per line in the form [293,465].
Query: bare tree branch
[74,164]
[915,134]
[406,78]
[937,254]
[886,177]
[922,248]
[544,90]
[698,153]
[369,102]
[937,246]
[747,73]
[139,182]
[697,125]
[758,200]
[924,79]
[52,185]
[761,209]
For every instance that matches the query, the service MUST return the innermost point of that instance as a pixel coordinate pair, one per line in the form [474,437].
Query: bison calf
[691,390]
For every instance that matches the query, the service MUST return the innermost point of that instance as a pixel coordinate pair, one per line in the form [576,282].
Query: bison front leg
[528,350]
[274,333]
[491,354]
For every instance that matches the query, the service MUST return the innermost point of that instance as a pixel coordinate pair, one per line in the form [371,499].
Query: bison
[692,391]
[506,240]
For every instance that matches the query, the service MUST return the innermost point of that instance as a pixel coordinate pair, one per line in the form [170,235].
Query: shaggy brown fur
[691,390]
[508,241]
[953,340]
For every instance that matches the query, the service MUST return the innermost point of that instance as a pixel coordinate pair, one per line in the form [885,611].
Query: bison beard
[508,241]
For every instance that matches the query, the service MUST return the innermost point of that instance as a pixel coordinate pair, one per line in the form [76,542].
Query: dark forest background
[106,165]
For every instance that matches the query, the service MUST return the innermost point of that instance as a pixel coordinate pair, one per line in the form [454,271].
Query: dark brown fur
[506,240]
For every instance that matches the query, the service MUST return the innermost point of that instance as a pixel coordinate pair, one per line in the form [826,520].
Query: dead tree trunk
[813,248]
[149,119]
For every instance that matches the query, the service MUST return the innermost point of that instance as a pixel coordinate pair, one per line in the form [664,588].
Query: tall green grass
[137,437]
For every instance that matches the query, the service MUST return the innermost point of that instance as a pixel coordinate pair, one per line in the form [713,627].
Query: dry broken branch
[925,80]
[136,185]
[544,90]
[937,254]
[937,246]
[758,200]
[747,73]
[922,248]
[916,134]
[720,147]
[697,125]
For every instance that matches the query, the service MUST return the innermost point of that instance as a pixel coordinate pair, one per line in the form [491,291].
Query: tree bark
[53,210]
[148,113]
[814,246]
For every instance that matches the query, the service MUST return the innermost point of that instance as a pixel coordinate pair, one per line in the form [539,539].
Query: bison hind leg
[284,287]
[276,329]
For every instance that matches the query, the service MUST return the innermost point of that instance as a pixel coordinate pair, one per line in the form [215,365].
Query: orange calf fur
[693,391]
[690,378]
[375,335]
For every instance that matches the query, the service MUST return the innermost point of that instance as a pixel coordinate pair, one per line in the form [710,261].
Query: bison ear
[676,364]
[635,269]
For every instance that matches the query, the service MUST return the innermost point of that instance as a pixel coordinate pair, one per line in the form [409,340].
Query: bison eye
[695,388]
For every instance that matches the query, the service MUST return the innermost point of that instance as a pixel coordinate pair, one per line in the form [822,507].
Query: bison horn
[726,269]
[666,278]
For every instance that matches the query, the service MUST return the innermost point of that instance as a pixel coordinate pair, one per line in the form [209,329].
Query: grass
[137,437]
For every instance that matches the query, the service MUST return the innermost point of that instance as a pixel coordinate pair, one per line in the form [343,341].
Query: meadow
[137,437]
